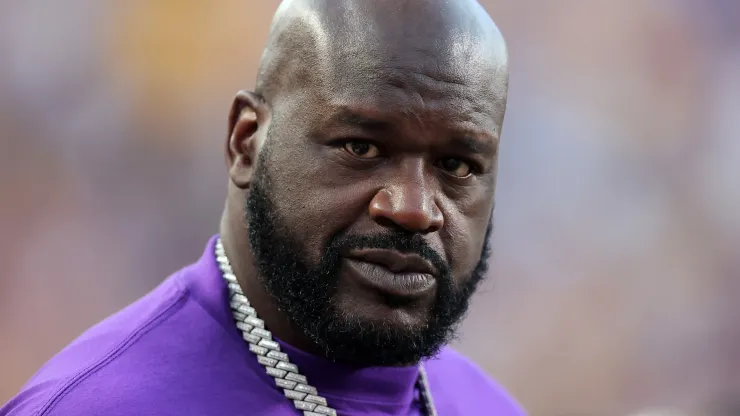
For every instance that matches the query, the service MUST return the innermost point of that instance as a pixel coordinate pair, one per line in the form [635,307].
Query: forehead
[434,66]
[405,89]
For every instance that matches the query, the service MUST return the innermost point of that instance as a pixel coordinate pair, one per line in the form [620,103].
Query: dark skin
[384,115]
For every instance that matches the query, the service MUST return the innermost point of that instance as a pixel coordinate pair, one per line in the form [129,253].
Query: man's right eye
[362,150]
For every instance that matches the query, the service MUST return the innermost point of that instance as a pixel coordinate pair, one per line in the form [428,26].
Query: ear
[248,122]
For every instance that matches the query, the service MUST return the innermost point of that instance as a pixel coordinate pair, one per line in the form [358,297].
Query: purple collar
[391,385]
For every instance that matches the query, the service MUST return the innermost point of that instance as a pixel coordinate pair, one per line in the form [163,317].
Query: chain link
[295,386]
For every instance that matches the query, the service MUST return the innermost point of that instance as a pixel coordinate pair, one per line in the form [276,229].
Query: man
[361,188]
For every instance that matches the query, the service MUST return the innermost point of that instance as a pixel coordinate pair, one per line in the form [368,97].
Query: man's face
[370,208]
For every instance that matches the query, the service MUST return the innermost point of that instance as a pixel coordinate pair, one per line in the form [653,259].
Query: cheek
[464,236]
[312,206]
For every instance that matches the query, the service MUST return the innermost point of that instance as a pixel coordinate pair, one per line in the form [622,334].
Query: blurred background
[617,264]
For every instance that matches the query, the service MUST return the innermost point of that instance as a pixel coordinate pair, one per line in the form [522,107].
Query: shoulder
[459,386]
[75,380]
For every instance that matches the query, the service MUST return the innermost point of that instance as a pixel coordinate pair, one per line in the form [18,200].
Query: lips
[402,275]
[395,261]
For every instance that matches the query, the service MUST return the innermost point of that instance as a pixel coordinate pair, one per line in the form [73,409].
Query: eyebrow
[464,143]
[472,145]
[364,122]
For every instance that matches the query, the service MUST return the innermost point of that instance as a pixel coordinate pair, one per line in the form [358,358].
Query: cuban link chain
[295,386]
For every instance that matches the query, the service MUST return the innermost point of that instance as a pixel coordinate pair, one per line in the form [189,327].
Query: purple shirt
[176,351]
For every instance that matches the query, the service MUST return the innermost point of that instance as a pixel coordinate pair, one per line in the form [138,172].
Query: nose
[408,206]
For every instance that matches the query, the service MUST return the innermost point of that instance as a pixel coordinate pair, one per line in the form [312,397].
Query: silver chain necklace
[295,386]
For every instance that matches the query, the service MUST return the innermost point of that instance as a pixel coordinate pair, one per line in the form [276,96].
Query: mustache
[397,241]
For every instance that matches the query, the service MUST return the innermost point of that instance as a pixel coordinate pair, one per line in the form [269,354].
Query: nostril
[385,222]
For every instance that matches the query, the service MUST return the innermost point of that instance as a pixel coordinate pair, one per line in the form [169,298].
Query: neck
[236,243]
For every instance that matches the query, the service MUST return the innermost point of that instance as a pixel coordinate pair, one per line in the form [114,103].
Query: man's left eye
[456,167]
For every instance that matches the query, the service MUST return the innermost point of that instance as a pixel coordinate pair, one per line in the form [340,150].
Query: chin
[368,330]
[382,312]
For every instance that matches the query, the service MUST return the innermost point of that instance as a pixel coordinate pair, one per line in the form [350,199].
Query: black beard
[306,294]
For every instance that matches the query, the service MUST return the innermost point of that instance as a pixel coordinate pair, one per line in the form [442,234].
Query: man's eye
[456,167]
[362,150]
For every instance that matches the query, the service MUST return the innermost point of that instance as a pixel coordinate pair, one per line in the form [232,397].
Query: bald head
[333,44]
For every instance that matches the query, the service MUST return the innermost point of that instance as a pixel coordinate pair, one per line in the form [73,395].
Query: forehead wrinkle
[405,90]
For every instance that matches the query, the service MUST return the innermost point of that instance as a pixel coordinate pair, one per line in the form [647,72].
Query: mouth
[395,261]
[404,275]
